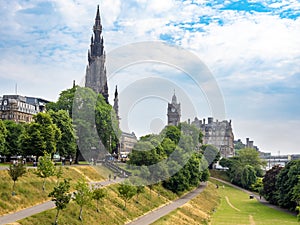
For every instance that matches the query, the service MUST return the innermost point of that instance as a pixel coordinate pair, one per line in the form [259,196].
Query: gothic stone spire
[116,104]
[95,77]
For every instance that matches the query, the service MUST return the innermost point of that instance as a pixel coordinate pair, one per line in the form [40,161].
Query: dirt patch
[251,220]
[229,203]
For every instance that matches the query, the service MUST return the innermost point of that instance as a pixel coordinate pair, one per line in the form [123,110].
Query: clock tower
[174,112]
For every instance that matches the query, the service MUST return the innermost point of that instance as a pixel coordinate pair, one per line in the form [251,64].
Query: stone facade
[174,112]
[95,77]
[20,108]
[128,141]
[218,134]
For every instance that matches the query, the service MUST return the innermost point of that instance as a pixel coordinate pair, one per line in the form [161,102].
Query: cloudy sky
[252,49]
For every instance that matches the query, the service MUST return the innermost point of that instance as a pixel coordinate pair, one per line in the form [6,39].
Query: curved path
[164,210]
[12,217]
[260,199]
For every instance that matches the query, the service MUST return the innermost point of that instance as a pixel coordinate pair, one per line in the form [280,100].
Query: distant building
[218,134]
[174,112]
[127,143]
[20,108]
[249,144]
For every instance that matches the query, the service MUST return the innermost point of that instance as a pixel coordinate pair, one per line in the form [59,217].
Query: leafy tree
[61,196]
[59,173]
[258,186]
[40,136]
[211,154]
[143,153]
[126,192]
[98,195]
[14,131]
[139,190]
[296,197]
[172,132]
[83,195]
[269,184]
[45,168]
[107,125]
[249,156]
[3,134]
[244,168]
[65,101]
[15,171]
[248,176]
[84,121]
[31,141]
[49,131]
[286,181]
[66,146]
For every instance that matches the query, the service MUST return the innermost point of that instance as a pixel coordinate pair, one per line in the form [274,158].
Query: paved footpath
[259,198]
[164,210]
[12,217]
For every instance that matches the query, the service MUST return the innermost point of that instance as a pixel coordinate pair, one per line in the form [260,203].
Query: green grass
[29,187]
[223,175]
[196,211]
[111,210]
[250,210]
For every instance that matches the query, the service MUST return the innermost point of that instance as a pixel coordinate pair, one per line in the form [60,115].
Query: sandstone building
[20,108]
[218,134]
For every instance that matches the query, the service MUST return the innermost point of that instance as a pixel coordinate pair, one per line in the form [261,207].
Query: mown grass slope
[196,211]
[111,209]
[237,208]
[29,187]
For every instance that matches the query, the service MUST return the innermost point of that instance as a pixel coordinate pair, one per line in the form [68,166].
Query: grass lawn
[111,209]
[236,208]
[196,211]
[29,187]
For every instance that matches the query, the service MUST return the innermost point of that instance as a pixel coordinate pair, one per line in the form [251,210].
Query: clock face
[5,102]
[173,109]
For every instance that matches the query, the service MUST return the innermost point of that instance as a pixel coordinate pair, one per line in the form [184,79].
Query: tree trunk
[80,214]
[44,184]
[56,217]
[97,206]
[77,155]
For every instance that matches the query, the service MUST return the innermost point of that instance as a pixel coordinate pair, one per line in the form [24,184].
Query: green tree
[172,132]
[126,192]
[31,141]
[49,131]
[66,146]
[248,177]
[40,136]
[3,134]
[244,168]
[249,156]
[45,168]
[287,180]
[82,195]
[107,125]
[269,184]
[15,171]
[65,101]
[61,196]
[98,195]
[84,121]
[14,131]
[211,154]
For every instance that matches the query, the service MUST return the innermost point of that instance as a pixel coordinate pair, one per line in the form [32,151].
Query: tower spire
[116,104]
[98,19]
[95,77]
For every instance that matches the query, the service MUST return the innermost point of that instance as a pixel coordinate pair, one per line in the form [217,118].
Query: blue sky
[251,47]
